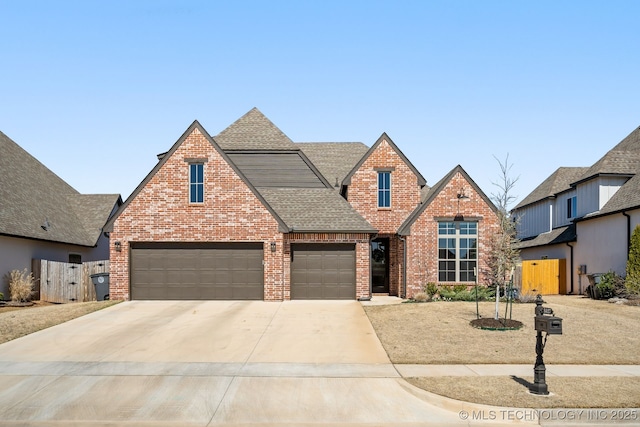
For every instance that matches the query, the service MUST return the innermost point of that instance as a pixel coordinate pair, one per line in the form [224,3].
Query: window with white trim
[457,251]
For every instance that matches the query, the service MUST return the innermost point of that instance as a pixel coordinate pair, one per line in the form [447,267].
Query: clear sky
[95,89]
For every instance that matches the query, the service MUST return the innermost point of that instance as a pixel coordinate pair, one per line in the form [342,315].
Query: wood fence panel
[89,268]
[544,276]
[63,282]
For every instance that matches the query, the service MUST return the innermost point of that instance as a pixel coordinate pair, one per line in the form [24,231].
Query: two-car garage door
[234,271]
[196,271]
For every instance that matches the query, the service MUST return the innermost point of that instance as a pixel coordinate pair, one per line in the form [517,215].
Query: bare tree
[503,254]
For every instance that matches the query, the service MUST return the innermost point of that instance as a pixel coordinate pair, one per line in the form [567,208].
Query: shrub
[527,297]
[459,288]
[422,297]
[632,282]
[610,284]
[431,289]
[21,285]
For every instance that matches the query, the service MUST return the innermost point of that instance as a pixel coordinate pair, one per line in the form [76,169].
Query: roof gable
[560,180]
[37,204]
[194,126]
[384,137]
[405,228]
[334,159]
[254,131]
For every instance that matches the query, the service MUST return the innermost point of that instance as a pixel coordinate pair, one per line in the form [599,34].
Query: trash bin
[101,282]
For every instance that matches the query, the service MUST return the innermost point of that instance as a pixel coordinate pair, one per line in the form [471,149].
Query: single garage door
[323,271]
[193,271]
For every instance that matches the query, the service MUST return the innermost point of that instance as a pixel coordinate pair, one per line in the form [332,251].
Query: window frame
[196,186]
[384,189]
[572,207]
[457,240]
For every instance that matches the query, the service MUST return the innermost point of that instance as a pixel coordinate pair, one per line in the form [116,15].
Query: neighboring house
[42,217]
[585,215]
[249,214]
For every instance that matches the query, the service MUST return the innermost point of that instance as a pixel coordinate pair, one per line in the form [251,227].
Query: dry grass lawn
[594,332]
[17,322]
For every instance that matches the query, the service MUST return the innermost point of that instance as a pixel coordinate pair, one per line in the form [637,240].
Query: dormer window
[384,189]
[196,183]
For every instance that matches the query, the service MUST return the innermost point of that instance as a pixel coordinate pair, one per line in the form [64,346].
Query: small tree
[632,282]
[503,254]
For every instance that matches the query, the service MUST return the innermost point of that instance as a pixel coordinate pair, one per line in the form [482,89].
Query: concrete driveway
[211,364]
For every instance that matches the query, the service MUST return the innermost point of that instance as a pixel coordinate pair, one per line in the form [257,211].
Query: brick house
[249,214]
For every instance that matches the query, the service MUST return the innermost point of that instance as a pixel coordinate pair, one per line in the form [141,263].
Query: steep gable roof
[405,228]
[384,137]
[334,159]
[560,180]
[35,203]
[623,159]
[253,131]
[166,156]
[626,198]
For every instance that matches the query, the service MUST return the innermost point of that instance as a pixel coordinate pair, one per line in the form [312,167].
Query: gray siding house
[43,217]
[585,215]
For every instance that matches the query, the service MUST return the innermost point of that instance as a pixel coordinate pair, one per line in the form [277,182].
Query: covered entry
[323,271]
[197,271]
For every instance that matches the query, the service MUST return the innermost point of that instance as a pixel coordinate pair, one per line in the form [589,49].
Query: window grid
[196,183]
[457,251]
[384,189]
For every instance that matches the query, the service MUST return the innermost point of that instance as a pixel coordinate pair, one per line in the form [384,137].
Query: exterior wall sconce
[273,246]
[118,245]
[460,196]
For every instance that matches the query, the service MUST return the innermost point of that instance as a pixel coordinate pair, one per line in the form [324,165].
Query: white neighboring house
[585,215]
[43,217]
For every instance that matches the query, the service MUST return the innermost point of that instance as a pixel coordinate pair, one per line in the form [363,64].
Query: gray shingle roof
[627,197]
[334,160]
[31,196]
[315,210]
[623,159]
[553,237]
[557,182]
[253,131]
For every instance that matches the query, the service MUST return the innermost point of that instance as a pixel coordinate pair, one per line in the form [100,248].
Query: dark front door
[380,265]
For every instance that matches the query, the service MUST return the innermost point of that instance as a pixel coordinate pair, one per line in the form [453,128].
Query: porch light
[117,245]
[273,246]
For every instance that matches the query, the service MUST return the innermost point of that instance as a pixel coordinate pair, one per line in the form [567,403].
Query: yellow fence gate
[544,276]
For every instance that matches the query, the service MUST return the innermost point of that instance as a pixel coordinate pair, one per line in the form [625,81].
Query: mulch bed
[496,325]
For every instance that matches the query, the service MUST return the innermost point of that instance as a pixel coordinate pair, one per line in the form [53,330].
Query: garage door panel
[323,271]
[191,271]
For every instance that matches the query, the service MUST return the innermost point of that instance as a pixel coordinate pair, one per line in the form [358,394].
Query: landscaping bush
[632,282]
[421,297]
[610,285]
[462,293]
[21,285]
[431,289]
[526,297]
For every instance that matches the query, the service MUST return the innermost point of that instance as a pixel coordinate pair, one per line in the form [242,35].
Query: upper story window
[384,189]
[196,183]
[457,251]
[572,207]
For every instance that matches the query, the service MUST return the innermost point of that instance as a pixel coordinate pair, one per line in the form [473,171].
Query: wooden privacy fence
[544,276]
[62,282]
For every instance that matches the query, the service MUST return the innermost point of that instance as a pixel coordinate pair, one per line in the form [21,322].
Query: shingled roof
[560,180]
[37,204]
[623,159]
[315,210]
[554,237]
[334,160]
[626,198]
[253,131]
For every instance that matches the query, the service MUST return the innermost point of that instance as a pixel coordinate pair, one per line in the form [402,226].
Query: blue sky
[95,90]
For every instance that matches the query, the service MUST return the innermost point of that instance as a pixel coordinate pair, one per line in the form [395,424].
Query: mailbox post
[545,321]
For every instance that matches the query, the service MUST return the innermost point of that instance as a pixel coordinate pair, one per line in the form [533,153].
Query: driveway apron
[212,363]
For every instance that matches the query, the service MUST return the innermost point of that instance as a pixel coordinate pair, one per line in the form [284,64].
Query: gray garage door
[183,271]
[323,271]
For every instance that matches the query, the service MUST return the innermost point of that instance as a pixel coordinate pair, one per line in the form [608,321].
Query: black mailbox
[550,324]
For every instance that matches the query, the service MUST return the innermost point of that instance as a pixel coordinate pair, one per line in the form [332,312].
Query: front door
[380,265]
